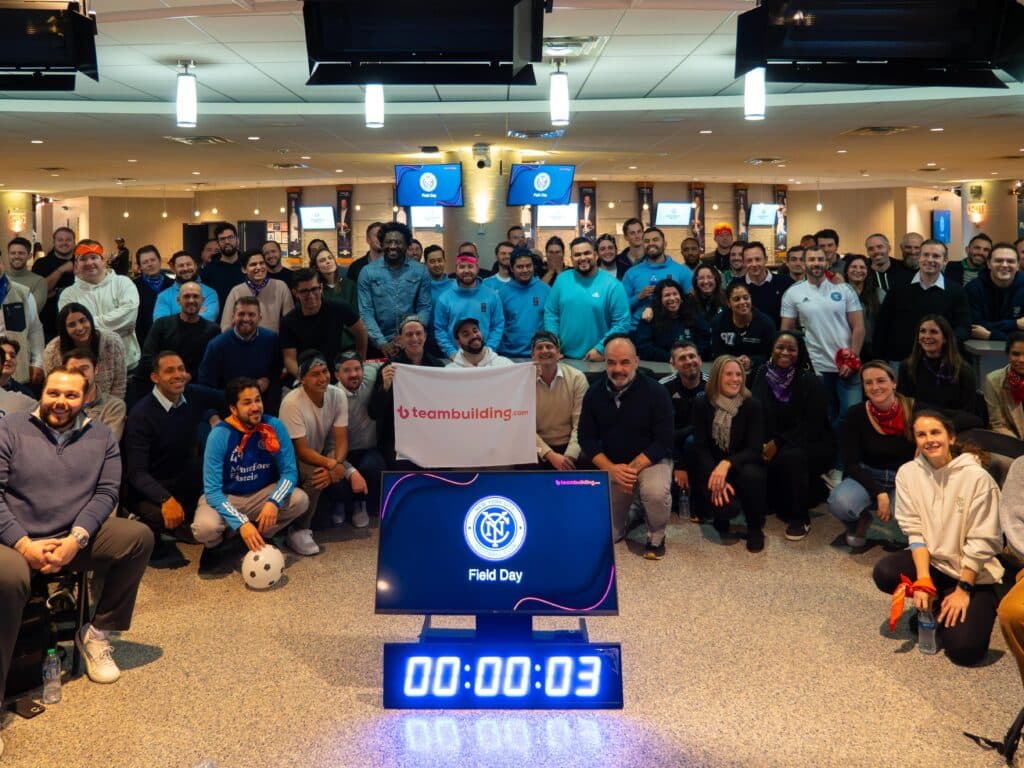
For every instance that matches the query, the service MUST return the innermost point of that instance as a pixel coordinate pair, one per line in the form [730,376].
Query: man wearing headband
[560,391]
[58,269]
[523,301]
[468,298]
[110,297]
[316,417]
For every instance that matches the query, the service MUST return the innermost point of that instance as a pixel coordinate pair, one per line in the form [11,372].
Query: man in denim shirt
[391,288]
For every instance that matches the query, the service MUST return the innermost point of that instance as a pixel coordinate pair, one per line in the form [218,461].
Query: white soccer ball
[263,569]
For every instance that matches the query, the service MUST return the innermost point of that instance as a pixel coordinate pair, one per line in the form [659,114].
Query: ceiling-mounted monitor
[535,184]
[429,184]
[673,214]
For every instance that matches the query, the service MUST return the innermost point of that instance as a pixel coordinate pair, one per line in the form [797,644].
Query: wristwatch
[81,536]
[966,586]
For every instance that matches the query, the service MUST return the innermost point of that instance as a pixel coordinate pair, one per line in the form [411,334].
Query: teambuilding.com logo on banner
[434,426]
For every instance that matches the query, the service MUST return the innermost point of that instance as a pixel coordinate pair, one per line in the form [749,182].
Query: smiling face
[256,268]
[978,251]
[686,361]
[394,248]
[90,267]
[249,408]
[79,328]
[149,264]
[785,352]
[606,252]
[878,387]
[1003,266]
[63,396]
[705,282]
[17,256]
[545,353]
[272,254]
[635,235]
[63,242]
[878,252]
[690,250]
[621,362]
[1016,357]
[856,271]
[184,268]
[910,248]
[326,265]
[795,264]
[933,441]
[470,339]
[756,264]
[170,377]
[350,375]
[671,299]
[412,337]
[740,303]
[731,379]
[435,264]
[583,258]
[932,261]
[930,338]
[522,270]
[654,246]
[246,319]
[316,379]
[466,271]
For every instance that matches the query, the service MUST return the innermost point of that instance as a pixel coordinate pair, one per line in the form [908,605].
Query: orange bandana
[83,248]
[266,431]
[906,589]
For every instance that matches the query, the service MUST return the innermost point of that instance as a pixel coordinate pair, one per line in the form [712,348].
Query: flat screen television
[513,543]
[558,215]
[673,214]
[316,216]
[533,184]
[427,216]
[762,214]
[431,184]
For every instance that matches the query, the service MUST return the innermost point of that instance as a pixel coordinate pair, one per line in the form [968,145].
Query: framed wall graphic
[697,218]
[741,195]
[645,198]
[344,225]
[587,226]
[781,220]
[294,227]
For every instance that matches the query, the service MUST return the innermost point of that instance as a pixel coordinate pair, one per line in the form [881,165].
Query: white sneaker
[98,655]
[301,542]
[360,518]
[338,515]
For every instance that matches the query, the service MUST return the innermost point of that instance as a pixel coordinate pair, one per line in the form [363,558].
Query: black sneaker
[797,530]
[652,552]
[755,540]
[223,558]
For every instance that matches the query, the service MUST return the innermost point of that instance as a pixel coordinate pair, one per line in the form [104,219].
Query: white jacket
[954,512]
[114,303]
[1011,506]
[490,360]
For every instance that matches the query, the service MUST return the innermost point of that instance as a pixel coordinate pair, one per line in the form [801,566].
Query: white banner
[466,417]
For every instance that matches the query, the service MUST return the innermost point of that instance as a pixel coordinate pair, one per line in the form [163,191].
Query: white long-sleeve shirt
[114,303]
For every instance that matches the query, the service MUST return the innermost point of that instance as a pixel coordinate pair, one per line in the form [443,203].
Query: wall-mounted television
[673,214]
[316,216]
[427,216]
[431,184]
[533,184]
[558,215]
[762,214]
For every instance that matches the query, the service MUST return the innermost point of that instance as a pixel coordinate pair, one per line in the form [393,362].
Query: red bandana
[890,421]
[1016,383]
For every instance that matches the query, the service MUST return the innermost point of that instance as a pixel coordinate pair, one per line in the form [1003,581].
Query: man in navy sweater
[996,297]
[626,429]
[245,349]
[55,516]
[161,437]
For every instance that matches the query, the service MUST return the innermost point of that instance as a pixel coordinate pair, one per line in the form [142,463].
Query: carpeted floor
[730,659]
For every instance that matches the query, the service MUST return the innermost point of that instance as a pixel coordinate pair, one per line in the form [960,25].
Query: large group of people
[223,398]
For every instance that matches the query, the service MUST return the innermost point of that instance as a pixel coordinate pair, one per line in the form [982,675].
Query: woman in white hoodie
[948,506]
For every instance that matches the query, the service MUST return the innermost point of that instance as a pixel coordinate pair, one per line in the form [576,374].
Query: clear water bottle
[51,677]
[684,504]
[926,632]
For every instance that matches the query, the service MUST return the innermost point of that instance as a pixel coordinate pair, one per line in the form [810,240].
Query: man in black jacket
[626,430]
[685,387]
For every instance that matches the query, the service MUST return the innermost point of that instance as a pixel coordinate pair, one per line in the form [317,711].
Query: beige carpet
[730,659]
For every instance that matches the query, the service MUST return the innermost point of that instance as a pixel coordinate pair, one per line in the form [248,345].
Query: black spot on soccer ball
[252,574]
[256,558]
[266,566]
[272,583]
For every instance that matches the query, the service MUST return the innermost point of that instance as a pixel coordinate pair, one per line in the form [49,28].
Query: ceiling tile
[616,78]
[271,53]
[567,23]
[655,22]
[158,31]
[283,28]
[651,45]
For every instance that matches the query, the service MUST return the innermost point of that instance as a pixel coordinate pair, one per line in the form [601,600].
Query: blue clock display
[502,676]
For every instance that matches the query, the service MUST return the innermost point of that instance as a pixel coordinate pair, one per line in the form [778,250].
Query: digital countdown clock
[532,675]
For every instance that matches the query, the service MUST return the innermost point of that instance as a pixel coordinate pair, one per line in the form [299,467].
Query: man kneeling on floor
[249,479]
[55,517]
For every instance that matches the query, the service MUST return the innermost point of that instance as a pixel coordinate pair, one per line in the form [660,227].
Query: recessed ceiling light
[930,165]
[632,167]
[840,151]
[706,132]
[254,138]
[55,174]
[799,182]
[132,160]
[936,130]
[781,165]
[994,173]
[195,173]
[37,141]
[339,170]
[305,157]
[792,180]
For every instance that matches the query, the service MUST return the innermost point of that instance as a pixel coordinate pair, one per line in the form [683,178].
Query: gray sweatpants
[209,527]
[653,491]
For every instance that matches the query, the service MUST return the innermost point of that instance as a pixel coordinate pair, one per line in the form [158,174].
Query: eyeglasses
[308,291]
[226,238]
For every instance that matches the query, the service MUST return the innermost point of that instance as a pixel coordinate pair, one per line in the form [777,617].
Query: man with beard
[18,252]
[187,333]
[356,381]
[121,260]
[967,269]
[656,266]
[522,301]
[795,266]
[515,235]
[832,319]
[391,288]
[271,251]
[150,283]
[910,249]
[274,296]
[58,269]
[468,298]
[996,298]
[685,387]
[210,252]
[250,479]
[586,305]
[473,353]
[502,274]
[724,240]
[224,273]
[374,251]
[96,405]
[633,231]
[111,298]
[626,430]
[560,392]
[690,250]
[66,526]
[19,319]
[184,268]
[886,272]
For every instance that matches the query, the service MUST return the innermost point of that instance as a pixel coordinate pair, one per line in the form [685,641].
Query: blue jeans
[850,498]
[840,394]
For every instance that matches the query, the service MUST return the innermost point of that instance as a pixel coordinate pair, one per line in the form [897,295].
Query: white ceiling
[663,73]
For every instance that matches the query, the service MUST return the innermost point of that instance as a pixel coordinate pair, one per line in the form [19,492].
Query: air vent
[765,161]
[555,134]
[570,47]
[879,130]
[288,166]
[930,170]
[122,180]
[53,169]
[194,140]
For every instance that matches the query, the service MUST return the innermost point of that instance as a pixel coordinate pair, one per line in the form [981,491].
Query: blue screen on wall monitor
[514,543]
[531,184]
[431,184]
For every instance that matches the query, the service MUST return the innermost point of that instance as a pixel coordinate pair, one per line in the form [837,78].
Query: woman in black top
[728,433]
[707,290]
[876,441]
[799,444]
[742,331]
[937,377]
[412,338]
[672,317]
